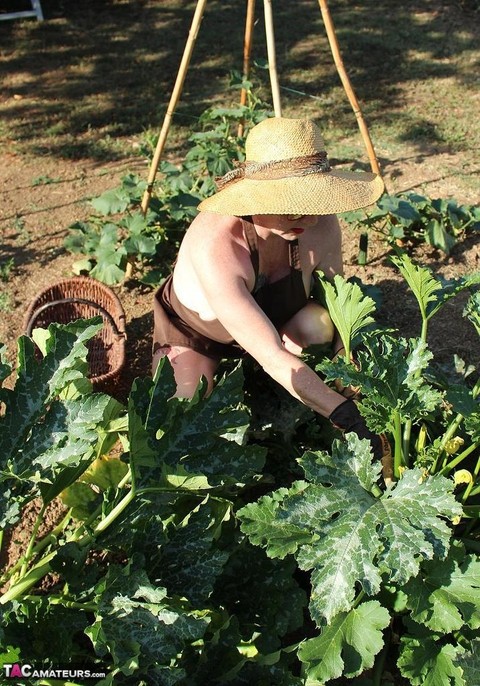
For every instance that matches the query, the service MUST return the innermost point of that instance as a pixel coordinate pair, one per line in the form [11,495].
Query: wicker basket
[80,298]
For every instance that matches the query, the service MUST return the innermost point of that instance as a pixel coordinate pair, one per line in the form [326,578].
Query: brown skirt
[170,330]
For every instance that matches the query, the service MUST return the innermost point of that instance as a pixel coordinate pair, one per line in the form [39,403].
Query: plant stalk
[31,543]
[30,579]
[398,461]
[61,600]
[471,545]
[459,458]
[379,665]
[472,483]
[407,431]
[449,434]
[41,545]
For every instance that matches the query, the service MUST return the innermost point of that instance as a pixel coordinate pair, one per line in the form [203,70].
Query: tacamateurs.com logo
[26,671]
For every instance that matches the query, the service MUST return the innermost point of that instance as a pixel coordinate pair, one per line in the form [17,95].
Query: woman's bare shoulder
[216,244]
[208,227]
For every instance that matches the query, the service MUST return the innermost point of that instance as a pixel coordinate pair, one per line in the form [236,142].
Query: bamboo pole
[272,60]
[247,49]
[174,98]
[332,39]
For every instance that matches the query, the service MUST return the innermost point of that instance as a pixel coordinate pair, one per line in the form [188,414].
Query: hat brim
[314,194]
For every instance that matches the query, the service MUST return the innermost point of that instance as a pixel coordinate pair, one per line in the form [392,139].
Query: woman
[243,275]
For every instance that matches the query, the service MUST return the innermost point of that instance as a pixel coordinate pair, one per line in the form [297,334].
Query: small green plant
[23,234]
[5,302]
[410,218]
[394,373]
[6,267]
[212,152]
[113,248]
[44,180]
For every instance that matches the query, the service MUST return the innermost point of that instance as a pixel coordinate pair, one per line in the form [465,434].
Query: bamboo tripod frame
[274,82]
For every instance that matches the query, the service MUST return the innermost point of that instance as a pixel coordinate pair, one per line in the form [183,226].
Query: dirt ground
[35,223]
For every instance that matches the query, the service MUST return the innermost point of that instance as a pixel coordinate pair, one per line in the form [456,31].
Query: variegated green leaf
[338,529]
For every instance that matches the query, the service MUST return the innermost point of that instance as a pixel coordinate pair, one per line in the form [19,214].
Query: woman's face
[287,226]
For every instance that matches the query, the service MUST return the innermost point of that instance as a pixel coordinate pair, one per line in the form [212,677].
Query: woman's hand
[348,392]
[347,418]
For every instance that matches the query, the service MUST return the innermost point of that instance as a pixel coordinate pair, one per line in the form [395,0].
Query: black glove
[347,417]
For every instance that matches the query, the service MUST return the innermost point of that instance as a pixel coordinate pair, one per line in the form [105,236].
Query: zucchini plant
[394,570]
[411,218]
[186,556]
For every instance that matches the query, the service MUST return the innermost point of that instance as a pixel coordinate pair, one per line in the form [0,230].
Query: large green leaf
[389,372]
[263,594]
[431,292]
[139,626]
[347,646]
[400,208]
[202,437]
[69,430]
[38,382]
[190,561]
[446,595]
[48,438]
[110,257]
[335,526]
[428,662]
[41,628]
[112,201]
[469,662]
[348,307]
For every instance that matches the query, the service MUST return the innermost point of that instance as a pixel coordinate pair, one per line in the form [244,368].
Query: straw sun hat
[287,172]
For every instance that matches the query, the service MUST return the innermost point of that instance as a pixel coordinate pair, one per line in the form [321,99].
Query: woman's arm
[223,270]
[222,274]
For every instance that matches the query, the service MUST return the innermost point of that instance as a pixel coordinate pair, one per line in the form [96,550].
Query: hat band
[276,169]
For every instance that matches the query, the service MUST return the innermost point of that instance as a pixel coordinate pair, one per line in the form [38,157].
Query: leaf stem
[41,545]
[31,543]
[475,491]
[36,573]
[459,458]
[81,531]
[407,432]
[358,599]
[471,545]
[449,433]
[379,665]
[397,437]
[62,600]
[472,483]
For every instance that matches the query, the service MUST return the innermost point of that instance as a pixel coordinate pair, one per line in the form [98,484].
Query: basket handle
[83,301]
